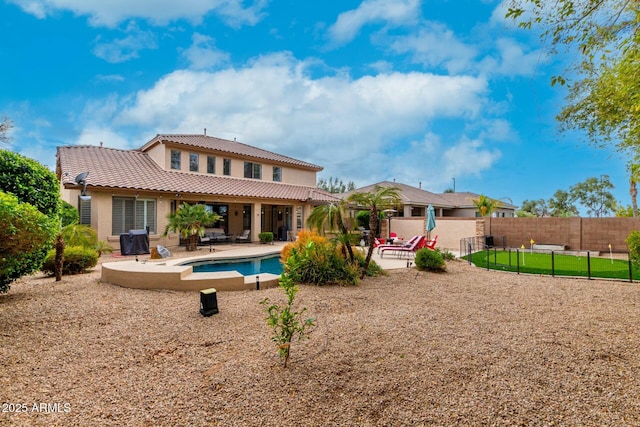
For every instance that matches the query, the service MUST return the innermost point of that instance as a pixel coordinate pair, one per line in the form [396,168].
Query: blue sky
[416,91]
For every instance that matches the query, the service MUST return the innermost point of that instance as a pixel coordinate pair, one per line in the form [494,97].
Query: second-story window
[277,174]
[226,166]
[211,164]
[252,170]
[175,159]
[193,162]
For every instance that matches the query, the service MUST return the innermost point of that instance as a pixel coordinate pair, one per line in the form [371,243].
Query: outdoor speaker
[208,302]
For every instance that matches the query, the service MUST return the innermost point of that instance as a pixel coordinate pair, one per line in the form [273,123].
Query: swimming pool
[245,266]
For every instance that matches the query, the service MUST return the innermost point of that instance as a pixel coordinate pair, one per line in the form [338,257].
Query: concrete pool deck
[170,273]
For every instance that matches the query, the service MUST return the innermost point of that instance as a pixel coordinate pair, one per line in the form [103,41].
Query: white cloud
[334,121]
[389,12]
[124,49]
[512,59]
[468,157]
[95,135]
[110,13]
[435,45]
[203,54]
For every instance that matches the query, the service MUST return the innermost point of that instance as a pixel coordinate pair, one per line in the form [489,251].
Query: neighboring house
[249,187]
[415,201]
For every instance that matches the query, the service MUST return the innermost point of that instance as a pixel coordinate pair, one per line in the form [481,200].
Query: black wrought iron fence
[589,264]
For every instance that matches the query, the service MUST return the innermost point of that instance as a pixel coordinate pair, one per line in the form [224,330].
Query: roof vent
[205,131]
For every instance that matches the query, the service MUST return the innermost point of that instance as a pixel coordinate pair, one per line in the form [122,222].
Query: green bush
[25,237]
[30,181]
[447,255]
[77,259]
[633,241]
[265,237]
[68,214]
[362,218]
[428,260]
[320,264]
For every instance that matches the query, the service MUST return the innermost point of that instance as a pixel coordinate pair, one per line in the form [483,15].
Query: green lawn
[561,265]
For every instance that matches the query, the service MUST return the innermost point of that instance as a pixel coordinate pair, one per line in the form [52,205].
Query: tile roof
[226,146]
[409,195]
[418,197]
[464,199]
[134,170]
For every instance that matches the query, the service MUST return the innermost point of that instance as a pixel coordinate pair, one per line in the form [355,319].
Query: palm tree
[486,205]
[333,215]
[190,221]
[377,200]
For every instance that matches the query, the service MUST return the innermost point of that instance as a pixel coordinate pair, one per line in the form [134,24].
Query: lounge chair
[244,237]
[407,243]
[404,250]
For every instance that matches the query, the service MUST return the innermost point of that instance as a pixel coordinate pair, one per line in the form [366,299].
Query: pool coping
[169,273]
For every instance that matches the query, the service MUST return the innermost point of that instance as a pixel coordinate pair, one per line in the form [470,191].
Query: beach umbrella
[431,218]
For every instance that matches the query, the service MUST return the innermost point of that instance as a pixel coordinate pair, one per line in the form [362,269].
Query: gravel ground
[468,347]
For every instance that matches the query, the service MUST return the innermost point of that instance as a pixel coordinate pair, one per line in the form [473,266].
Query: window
[252,170]
[211,164]
[175,159]
[129,213]
[193,162]
[226,166]
[277,174]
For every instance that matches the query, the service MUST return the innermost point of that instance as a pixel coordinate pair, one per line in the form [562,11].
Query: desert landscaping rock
[469,347]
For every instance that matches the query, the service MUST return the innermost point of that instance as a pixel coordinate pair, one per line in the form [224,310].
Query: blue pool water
[246,267]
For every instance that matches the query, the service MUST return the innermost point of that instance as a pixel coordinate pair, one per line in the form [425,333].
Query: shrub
[30,181]
[77,259]
[68,214]
[320,264]
[362,218]
[447,255]
[373,269]
[266,237]
[303,237]
[428,260]
[25,237]
[633,241]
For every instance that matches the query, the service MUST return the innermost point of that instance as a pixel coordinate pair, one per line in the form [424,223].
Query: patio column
[256,223]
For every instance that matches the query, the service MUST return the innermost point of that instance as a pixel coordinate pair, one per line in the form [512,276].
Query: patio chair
[244,237]
[404,250]
[407,243]
[431,244]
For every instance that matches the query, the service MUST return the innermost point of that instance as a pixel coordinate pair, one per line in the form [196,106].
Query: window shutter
[84,211]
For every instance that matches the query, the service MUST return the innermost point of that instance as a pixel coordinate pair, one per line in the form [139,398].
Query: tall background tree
[5,127]
[604,89]
[595,195]
[562,204]
[335,185]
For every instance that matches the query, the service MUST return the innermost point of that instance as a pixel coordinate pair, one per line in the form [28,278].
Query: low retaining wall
[169,274]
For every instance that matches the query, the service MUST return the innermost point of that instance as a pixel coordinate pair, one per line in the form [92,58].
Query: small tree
[190,221]
[377,200]
[334,216]
[288,325]
[486,205]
